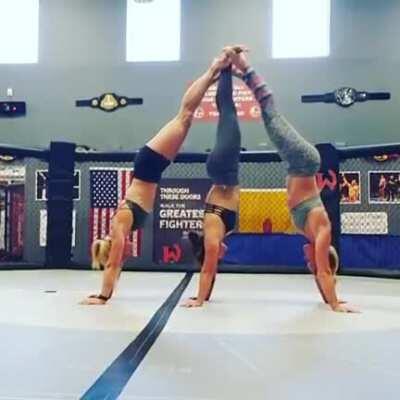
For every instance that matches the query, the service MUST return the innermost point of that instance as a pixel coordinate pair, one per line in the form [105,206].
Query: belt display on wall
[109,102]
[345,96]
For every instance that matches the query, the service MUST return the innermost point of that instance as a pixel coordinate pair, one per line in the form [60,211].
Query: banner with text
[179,208]
[246,105]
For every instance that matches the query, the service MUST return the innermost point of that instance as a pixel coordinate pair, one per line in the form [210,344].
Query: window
[300,28]
[153,30]
[19,31]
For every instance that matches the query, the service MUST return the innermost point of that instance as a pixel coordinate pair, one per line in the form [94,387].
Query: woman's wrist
[211,73]
[247,68]
[335,305]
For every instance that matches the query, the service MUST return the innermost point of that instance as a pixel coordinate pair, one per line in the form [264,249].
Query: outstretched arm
[170,138]
[207,274]
[209,269]
[112,269]
[198,88]
[325,278]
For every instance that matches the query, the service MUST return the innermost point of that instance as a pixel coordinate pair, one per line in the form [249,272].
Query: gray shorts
[300,212]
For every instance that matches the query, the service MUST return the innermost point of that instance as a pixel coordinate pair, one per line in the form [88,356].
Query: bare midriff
[300,188]
[224,196]
[143,193]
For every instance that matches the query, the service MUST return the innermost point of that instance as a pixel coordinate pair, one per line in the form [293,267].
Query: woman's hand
[237,72]
[342,308]
[219,63]
[93,300]
[238,56]
[192,302]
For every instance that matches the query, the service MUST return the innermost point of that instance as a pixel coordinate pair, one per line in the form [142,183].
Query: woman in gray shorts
[307,210]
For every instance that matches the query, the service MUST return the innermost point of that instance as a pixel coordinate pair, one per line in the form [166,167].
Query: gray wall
[82,52]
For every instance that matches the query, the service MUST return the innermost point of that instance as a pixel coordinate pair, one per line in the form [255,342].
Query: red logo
[171,254]
[324,182]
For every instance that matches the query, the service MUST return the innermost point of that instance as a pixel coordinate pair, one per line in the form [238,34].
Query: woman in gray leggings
[304,202]
[223,198]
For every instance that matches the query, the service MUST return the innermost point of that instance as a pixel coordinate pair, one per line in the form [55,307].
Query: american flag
[107,188]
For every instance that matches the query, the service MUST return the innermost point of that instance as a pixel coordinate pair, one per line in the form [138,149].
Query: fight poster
[179,208]
[17,219]
[247,107]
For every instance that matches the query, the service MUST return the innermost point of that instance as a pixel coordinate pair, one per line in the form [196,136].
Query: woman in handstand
[149,165]
[223,198]
[304,201]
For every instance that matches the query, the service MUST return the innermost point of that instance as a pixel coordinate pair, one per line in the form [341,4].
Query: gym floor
[261,337]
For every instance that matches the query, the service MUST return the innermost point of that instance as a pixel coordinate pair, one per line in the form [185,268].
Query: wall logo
[325,182]
[171,254]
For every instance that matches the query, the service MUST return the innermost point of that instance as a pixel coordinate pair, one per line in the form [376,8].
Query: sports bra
[227,216]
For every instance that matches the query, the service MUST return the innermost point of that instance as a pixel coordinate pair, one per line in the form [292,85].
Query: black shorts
[227,216]
[139,215]
[149,165]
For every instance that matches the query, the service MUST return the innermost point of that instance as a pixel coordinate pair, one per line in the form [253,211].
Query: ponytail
[100,252]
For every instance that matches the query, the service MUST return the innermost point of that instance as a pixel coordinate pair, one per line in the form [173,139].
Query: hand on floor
[346,309]
[93,301]
[192,302]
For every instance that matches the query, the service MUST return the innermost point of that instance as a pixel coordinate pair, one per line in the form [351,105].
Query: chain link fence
[370,212]
[262,202]
[370,196]
[22,211]
[369,202]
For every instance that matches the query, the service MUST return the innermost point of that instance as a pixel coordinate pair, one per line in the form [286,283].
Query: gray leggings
[223,161]
[302,157]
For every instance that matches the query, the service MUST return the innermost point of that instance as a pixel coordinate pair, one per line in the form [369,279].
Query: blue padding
[272,249]
[370,251]
[357,251]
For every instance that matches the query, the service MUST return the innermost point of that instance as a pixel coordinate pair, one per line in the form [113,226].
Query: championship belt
[109,102]
[345,97]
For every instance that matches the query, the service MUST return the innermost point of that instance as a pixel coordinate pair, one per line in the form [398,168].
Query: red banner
[246,105]
[17,220]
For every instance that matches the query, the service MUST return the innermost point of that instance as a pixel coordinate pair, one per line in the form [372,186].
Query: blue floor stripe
[113,380]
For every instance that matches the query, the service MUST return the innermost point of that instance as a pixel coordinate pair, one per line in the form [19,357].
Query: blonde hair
[100,252]
[333,260]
